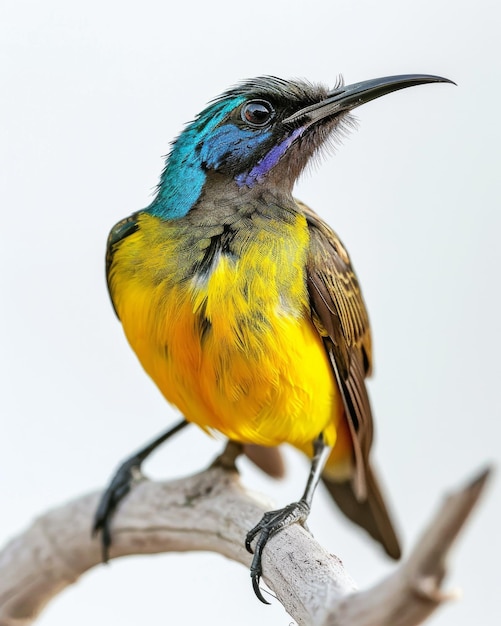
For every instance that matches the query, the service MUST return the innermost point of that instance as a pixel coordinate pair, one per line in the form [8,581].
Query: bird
[242,304]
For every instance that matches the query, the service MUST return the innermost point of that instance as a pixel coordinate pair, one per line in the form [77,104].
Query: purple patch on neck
[269,161]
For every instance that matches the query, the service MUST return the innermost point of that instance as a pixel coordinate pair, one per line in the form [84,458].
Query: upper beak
[351,96]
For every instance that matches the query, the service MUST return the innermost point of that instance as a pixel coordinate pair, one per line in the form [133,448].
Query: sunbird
[241,303]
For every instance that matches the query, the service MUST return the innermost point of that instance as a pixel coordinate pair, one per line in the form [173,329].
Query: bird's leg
[228,456]
[120,486]
[274,521]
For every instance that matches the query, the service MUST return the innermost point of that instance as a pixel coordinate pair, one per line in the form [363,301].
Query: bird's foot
[127,474]
[270,524]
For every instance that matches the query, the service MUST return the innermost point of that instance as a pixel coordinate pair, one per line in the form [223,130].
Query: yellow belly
[235,349]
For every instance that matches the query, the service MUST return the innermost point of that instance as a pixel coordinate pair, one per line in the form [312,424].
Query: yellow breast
[232,346]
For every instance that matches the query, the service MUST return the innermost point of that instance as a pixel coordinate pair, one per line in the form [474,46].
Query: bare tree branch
[212,511]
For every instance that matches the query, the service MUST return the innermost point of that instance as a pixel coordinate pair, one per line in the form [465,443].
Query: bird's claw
[260,528]
[256,573]
[116,491]
[271,523]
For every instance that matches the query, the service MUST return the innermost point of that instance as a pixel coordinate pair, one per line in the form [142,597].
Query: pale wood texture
[212,511]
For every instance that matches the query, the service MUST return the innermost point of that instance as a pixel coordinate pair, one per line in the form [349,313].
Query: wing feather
[338,310]
[340,314]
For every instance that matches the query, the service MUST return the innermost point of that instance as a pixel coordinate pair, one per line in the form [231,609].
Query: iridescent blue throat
[207,144]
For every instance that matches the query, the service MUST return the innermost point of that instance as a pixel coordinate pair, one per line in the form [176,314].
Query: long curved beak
[349,97]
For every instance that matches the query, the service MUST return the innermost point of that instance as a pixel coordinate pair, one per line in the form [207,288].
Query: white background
[91,94]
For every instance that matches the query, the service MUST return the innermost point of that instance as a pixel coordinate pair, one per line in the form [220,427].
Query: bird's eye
[257,113]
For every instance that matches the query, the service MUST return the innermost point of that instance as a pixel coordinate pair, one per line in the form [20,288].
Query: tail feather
[370,513]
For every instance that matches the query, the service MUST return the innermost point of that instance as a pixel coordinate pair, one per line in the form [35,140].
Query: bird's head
[262,132]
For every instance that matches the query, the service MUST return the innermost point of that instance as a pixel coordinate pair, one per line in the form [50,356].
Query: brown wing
[333,279]
[341,317]
[339,312]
